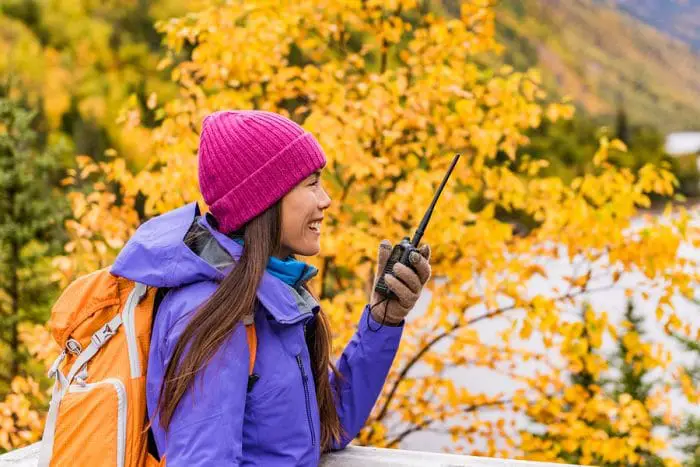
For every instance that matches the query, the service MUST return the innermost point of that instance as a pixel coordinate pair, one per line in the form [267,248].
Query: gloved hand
[405,283]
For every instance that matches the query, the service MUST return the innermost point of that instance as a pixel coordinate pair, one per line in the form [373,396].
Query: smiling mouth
[315,227]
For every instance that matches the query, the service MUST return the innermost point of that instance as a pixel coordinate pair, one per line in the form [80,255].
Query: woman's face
[302,213]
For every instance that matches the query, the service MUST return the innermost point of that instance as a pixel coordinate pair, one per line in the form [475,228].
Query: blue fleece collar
[289,270]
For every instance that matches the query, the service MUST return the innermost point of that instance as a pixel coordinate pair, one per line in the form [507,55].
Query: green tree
[634,374]
[622,128]
[568,146]
[87,79]
[689,432]
[31,213]
[588,404]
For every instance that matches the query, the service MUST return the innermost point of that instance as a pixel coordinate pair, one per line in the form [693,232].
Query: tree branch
[427,422]
[439,337]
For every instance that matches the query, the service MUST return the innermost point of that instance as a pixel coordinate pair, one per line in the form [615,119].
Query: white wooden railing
[352,456]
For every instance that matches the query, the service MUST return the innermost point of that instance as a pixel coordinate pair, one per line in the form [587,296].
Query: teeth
[315,226]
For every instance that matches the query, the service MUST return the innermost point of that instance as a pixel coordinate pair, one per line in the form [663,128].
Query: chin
[308,250]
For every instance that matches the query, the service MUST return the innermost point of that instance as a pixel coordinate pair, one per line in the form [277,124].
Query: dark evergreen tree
[627,376]
[634,378]
[689,432]
[31,215]
[622,130]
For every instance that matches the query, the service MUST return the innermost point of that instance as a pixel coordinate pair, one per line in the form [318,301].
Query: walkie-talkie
[402,251]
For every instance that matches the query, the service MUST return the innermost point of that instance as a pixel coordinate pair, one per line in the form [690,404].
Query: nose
[324,200]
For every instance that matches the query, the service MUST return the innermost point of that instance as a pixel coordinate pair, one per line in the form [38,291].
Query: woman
[260,175]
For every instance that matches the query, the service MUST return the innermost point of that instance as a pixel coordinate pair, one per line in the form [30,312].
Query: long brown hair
[216,320]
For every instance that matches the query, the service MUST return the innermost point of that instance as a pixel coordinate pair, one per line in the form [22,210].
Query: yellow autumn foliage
[392,91]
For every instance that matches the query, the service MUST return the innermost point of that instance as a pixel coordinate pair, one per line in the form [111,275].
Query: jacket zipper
[308,400]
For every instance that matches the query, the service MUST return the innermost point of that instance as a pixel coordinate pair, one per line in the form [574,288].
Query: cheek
[298,208]
[295,215]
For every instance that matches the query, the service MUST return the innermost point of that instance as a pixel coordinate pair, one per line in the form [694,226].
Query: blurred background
[580,125]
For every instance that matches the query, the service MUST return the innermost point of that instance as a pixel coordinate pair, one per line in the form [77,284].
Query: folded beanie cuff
[269,183]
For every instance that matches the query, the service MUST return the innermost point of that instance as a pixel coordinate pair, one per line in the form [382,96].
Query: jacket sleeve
[207,426]
[364,366]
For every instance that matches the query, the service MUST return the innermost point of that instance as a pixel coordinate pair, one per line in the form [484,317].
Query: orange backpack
[97,414]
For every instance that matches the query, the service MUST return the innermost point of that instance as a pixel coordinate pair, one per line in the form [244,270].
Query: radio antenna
[426,218]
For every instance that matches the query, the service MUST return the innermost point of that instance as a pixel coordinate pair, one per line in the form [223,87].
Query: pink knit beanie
[250,159]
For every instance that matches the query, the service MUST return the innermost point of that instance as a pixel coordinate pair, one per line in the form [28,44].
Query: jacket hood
[157,256]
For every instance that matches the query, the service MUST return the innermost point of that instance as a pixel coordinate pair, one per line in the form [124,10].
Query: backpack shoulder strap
[252,338]
[251,335]
[252,345]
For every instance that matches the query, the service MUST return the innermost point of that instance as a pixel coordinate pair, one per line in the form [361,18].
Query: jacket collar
[290,270]
[278,298]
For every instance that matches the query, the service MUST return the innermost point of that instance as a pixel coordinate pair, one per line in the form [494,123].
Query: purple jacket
[218,422]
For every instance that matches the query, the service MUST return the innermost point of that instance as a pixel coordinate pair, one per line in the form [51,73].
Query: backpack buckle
[73,346]
[102,335]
